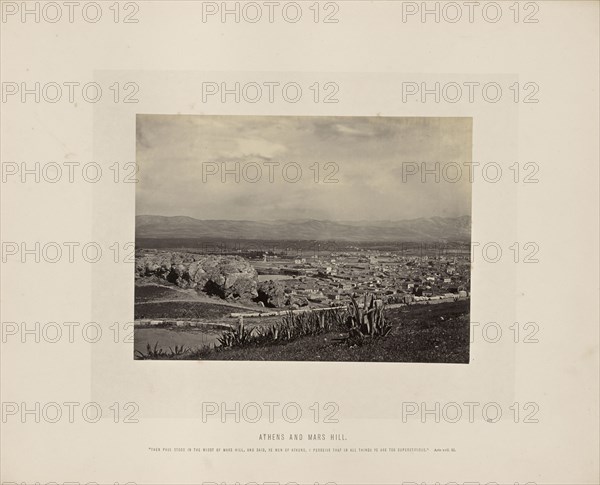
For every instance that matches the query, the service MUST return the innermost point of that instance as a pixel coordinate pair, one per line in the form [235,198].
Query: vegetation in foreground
[419,333]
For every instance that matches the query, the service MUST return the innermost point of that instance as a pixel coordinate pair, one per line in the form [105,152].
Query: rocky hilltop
[224,276]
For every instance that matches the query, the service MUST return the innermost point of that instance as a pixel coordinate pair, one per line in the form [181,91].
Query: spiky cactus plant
[368,320]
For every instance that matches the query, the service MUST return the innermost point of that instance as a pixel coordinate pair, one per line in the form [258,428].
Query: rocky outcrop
[225,276]
[272,294]
[296,301]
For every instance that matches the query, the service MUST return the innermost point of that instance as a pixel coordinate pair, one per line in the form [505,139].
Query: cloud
[362,156]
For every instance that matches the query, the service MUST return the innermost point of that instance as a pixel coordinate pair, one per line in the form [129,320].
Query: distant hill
[419,230]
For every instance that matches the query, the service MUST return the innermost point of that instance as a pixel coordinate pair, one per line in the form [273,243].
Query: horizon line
[308,219]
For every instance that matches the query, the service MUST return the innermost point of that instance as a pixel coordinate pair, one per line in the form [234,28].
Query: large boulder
[228,277]
[296,301]
[272,294]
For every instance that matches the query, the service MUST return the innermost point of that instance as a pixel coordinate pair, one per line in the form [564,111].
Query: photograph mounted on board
[303,238]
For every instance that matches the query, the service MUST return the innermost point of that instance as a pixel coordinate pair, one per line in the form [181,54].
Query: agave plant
[178,351]
[368,320]
[237,336]
[151,353]
[292,326]
[159,353]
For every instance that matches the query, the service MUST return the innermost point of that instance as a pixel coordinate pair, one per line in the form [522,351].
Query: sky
[296,167]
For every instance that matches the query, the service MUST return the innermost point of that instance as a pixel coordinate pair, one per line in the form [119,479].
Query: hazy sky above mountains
[366,157]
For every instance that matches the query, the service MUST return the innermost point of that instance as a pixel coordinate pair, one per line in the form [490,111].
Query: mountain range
[415,230]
